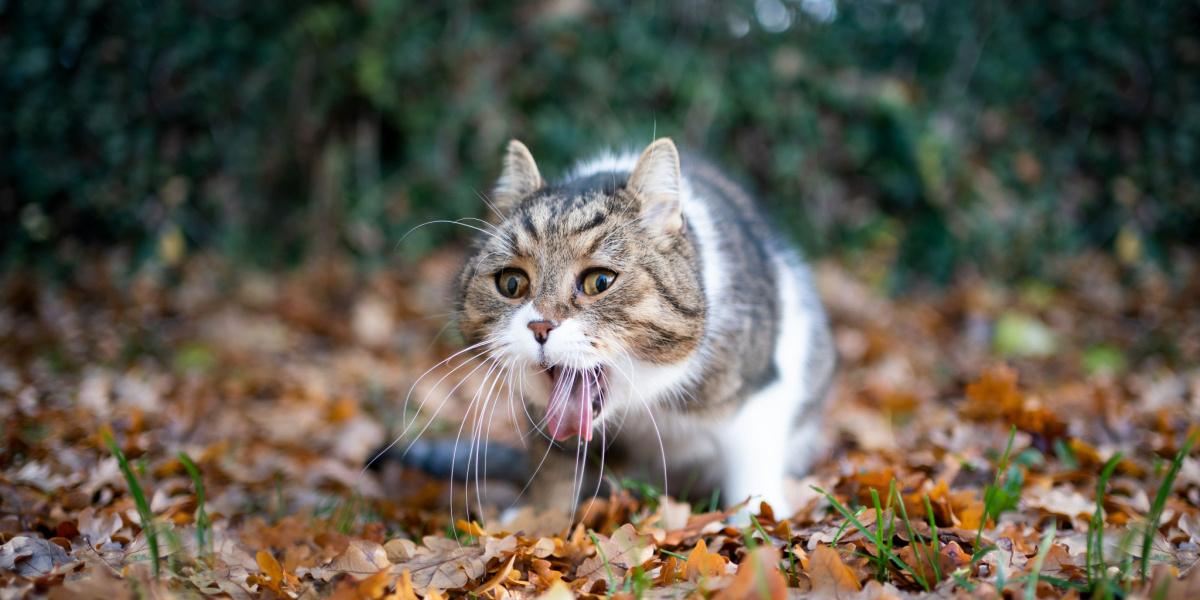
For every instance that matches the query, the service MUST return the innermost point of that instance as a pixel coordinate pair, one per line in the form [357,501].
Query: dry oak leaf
[697,525]
[444,563]
[360,559]
[98,529]
[500,577]
[32,557]
[545,573]
[1062,501]
[701,563]
[830,577]
[624,550]
[757,577]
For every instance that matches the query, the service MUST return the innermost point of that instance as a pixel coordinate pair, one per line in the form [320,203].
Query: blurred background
[941,136]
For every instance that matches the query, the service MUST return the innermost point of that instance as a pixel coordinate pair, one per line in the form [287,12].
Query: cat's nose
[541,330]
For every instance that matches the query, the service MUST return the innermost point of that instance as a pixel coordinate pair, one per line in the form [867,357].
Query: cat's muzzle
[576,398]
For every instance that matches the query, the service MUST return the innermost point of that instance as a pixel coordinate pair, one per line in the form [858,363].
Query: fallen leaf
[558,591]
[758,576]
[446,564]
[32,557]
[829,575]
[499,577]
[374,586]
[624,550]
[98,529]
[702,563]
[271,569]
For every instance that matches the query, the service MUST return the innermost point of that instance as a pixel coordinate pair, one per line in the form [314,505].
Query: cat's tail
[450,459]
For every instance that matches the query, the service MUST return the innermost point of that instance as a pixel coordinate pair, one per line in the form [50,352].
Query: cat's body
[651,305]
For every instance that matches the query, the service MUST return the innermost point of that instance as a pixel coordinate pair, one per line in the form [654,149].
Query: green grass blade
[837,537]
[1035,573]
[882,538]
[989,495]
[918,551]
[612,580]
[203,523]
[139,499]
[1095,538]
[1160,502]
[935,543]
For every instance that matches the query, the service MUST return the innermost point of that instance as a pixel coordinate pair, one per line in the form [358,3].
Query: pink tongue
[570,410]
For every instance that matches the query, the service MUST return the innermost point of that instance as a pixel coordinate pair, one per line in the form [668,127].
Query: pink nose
[541,330]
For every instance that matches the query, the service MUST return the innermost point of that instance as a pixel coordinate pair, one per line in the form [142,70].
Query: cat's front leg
[754,443]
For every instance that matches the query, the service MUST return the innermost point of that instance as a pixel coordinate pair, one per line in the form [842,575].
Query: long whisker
[404,410]
[498,238]
[492,361]
[645,404]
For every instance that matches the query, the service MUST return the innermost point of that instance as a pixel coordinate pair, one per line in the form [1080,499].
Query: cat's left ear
[656,181]
[518,178]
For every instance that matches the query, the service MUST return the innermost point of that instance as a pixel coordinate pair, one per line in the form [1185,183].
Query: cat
[646,306]
[652,305]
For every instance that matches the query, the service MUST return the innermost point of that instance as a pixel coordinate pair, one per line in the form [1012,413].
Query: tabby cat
[649,311]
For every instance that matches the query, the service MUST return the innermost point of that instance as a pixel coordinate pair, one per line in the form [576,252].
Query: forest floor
[199,430]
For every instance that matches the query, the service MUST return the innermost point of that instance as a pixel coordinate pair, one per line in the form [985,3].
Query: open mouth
[576,398]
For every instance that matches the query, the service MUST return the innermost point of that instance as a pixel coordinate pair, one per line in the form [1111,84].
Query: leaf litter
[962,464]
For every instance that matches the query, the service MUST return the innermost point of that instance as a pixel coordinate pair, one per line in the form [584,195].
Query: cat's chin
[577,397]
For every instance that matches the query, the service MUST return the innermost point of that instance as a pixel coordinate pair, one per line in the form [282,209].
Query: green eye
[597,281]
[512,283]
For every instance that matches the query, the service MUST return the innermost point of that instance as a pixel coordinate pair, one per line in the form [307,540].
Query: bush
[991,134]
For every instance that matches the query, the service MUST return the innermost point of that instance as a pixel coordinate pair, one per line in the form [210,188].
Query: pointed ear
[656,181]
[518,178]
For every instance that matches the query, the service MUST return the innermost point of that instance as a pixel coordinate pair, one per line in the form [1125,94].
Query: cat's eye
[512,283]
[596,281]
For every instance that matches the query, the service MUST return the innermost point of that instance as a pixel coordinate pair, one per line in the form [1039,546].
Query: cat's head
[576,283]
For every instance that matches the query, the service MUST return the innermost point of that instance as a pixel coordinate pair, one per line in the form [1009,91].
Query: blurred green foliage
[984,133]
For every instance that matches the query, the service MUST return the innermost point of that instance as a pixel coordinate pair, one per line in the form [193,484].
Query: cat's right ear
[518,178]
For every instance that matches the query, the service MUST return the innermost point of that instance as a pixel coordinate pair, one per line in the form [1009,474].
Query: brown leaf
[272,571]
[830,576]
[624,550]
[498,578]
[374,586]
[446,564]
[701,563]
[757,577]
[920,556]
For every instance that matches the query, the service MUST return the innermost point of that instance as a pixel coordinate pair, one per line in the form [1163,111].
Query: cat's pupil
[601,283]
[512,286]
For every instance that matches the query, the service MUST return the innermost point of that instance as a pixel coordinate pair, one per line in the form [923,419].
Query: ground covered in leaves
[201,431]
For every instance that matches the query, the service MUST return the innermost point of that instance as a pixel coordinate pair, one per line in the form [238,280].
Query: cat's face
[579,283]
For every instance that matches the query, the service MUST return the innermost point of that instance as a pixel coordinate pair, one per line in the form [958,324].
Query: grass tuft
[884,546]
[997,497]
[1160,502]
[139,499]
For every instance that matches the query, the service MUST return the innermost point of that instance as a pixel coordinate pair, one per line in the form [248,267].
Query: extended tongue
[570,409]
